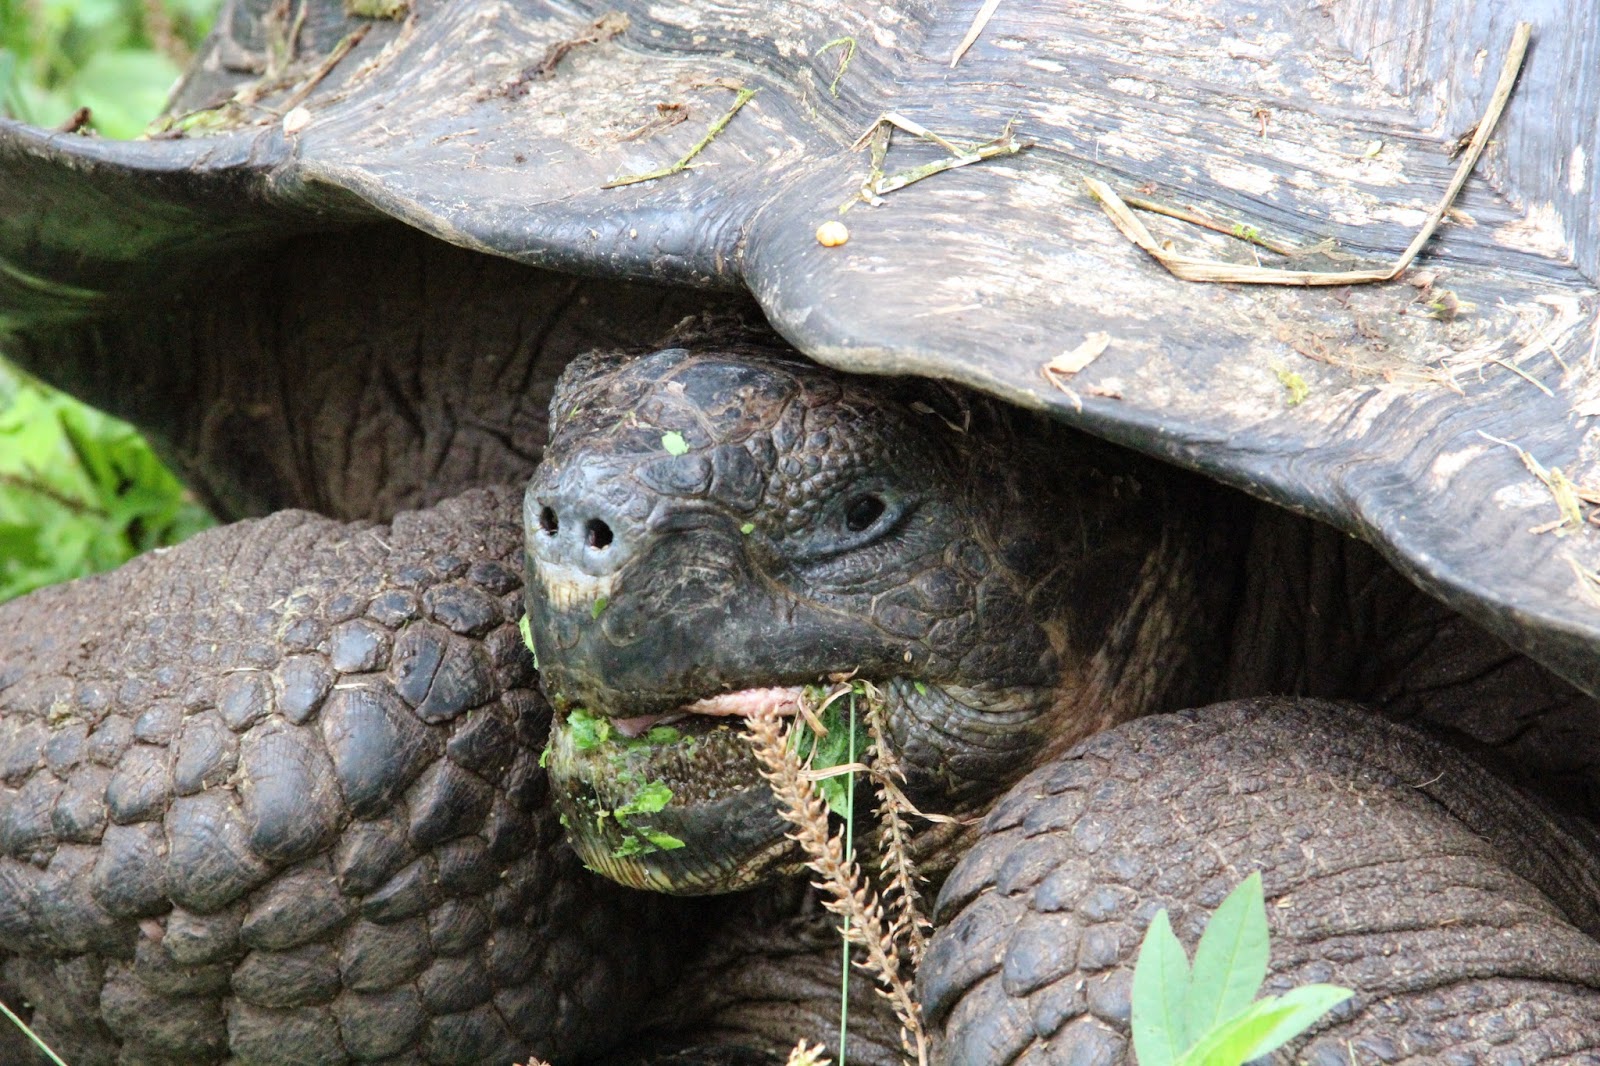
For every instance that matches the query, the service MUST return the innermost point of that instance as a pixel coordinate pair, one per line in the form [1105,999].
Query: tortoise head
[710,532]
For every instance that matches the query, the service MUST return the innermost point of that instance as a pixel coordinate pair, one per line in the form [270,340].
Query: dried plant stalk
[894,837]
[975,30]
[1197,268]
[699,146]
[852,898]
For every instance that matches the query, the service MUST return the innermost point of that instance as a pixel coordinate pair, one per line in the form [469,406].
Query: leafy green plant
[1208,1015]
[119,58]
[833,745]
[641,839]
[79,491]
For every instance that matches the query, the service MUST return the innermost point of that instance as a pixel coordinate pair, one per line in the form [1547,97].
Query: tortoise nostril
[548,521]
[598,533]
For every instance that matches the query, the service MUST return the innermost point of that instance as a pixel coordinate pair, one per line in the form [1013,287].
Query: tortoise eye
[861,512]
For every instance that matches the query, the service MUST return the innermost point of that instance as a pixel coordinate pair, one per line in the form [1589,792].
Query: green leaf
[662,734]
[1306,1005]
[527,639]
[1228,1043]
[628,848]
[1264,1026]
[664,841]
[648,800]
[836,793]
[748,528]
[588,731]
[85,486]
[1160,991]
[600,604]
[1230,961]
[674,443]
[654,840]
[827,751]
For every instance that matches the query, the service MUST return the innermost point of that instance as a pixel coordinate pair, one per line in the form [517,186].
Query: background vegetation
[80,491]
[119,58]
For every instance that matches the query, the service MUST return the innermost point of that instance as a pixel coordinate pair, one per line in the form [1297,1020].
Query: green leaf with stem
[1205,1016]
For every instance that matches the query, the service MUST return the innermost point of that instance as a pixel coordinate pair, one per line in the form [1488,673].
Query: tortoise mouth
[780,699]
[672,801]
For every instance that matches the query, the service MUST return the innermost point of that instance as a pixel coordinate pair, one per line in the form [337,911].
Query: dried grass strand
[1197,268]
[1561,489]
[974,31]
[743,97]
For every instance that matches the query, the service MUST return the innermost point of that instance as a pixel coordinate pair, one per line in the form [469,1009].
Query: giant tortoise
[1163,581]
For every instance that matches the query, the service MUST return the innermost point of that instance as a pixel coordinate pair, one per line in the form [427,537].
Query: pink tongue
[726,705]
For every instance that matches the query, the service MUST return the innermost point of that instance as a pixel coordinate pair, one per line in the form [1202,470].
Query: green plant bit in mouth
[646,800]
[642,840]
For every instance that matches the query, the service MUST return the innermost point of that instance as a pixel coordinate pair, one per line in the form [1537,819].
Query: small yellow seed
[832,234]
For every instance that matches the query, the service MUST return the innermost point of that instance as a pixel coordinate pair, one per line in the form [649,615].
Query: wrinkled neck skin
[712,525]
[1321,614]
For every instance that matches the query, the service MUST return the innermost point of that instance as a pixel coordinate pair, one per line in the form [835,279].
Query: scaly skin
[1461,910]
[276,793]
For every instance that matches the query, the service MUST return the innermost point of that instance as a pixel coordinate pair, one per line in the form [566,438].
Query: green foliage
[119,58]
[834,746]
[589,731]
[650,799]
[527,639]
[641,839]
[1209,1016]
[79,490]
